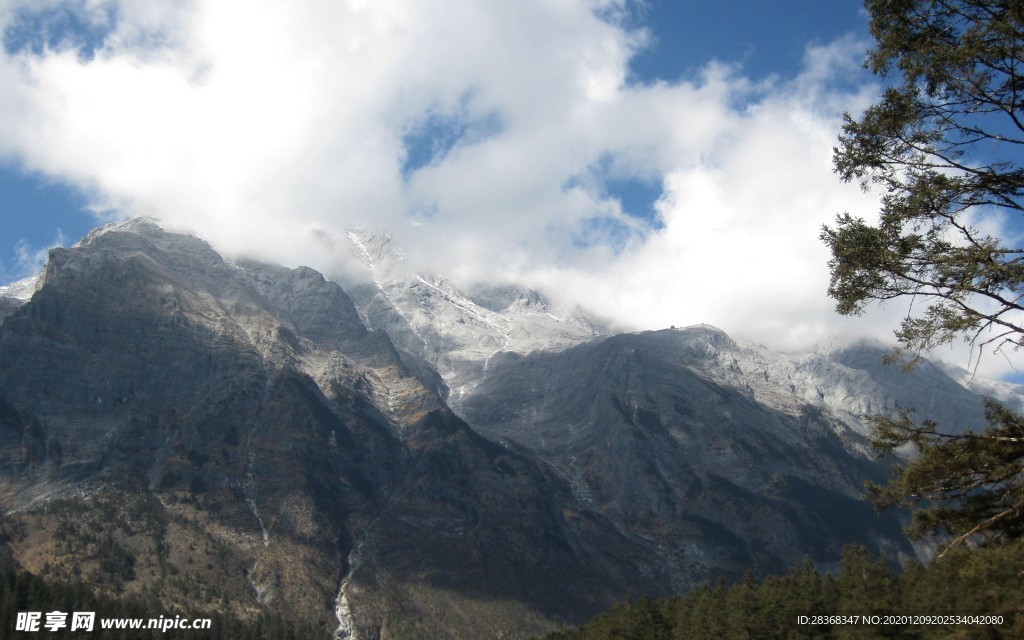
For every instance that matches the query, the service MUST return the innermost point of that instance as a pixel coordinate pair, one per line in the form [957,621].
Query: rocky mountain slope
[722,456]
[457,331]
[461,332]
[415,460]
[175,425]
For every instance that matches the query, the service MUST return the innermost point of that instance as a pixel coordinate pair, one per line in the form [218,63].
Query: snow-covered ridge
[848,381]
[460,331]
[1007,393]
[457,330]
[21,290]
[141,223]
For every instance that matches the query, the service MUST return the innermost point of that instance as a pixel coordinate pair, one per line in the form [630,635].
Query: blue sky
[38,211]
[659,162]
[764,37]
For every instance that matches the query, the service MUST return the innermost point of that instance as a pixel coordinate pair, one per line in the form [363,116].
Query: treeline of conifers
[866,598]
[968,594]
[22,592]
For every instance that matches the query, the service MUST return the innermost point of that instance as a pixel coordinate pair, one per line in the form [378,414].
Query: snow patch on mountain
[1008,393]
[457,331]
[21,290]
[848,380]
[460,331]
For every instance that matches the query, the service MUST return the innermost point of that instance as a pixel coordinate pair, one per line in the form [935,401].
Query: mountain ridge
[261,437]
[246,419]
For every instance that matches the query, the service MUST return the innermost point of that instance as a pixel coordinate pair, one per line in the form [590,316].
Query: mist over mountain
[401,457]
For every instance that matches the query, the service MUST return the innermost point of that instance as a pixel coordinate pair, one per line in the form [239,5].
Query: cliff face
[238,434]
[715,479]
[234,436]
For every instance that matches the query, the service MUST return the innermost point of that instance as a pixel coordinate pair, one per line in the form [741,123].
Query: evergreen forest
[969,594]
[22,592]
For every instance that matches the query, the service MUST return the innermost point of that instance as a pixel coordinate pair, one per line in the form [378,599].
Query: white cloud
[29,259]
[271,127]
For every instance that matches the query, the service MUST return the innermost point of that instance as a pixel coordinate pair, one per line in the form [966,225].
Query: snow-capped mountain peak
[458,330]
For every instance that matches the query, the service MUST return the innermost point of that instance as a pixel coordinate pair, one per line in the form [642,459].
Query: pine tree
[972,481]
[943,145]
[867,586]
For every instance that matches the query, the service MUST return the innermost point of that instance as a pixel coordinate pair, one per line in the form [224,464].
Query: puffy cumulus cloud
[261,125]
[245,123]
[483,135]
[746,191]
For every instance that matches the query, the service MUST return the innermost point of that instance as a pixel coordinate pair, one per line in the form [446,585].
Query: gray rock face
[716,480]
[247,412]
[281,444]
[725,454]
[642,433]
